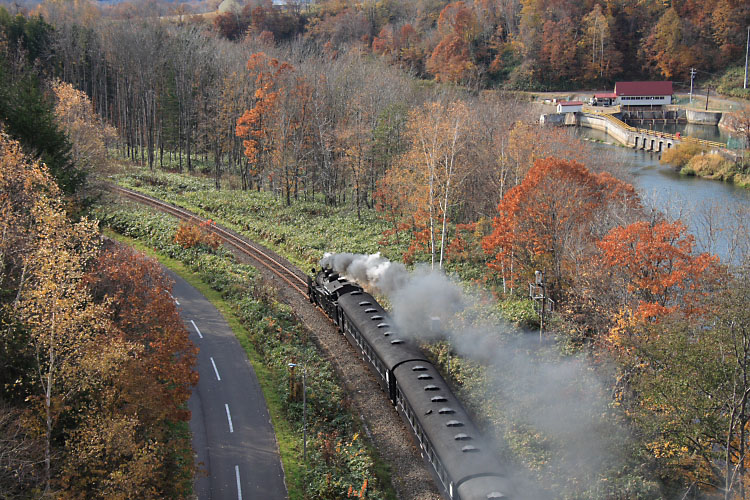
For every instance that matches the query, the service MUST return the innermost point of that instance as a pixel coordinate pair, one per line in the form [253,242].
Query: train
[464,469]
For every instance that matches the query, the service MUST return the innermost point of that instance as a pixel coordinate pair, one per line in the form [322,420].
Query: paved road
[232,432]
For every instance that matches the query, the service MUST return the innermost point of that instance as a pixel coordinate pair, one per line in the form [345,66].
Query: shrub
[190,235]
[712,166]
[679,156]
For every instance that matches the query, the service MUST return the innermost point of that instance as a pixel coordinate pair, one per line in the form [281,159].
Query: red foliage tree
[452,60]
[254,124]
[549,221]
[138,294]
[655,264]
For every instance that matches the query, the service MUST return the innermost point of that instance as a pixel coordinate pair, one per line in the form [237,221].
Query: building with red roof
[643,93]
[569,106]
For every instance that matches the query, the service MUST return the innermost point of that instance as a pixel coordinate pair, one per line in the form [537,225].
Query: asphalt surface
[233,437]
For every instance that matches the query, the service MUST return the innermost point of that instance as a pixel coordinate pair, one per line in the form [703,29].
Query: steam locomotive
[448,439]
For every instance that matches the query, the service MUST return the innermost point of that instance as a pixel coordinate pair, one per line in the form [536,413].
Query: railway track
[289,275]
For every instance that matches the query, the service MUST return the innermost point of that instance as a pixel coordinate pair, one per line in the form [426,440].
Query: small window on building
[424,376]
[438,399]
[462,437]
[418,368]
[454,423]
[365,303]
[431,388]
[371,310]
[446,411]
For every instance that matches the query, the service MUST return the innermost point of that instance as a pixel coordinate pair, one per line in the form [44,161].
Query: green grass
[302,232]
[286,436]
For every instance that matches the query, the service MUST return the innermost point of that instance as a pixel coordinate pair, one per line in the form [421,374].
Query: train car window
[383,325]
[431,388]
[377,317]
[462,437]
[454,423]
[365,303]
[397,341]
[446,411]
[440,470]
[418,368]
[469,449]
[438,399]
[424,376]
[371,310]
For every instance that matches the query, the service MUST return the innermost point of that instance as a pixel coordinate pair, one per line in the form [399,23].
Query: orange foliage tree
[654,262]
[549,221]
[666,48]
[255,124]
[452,60]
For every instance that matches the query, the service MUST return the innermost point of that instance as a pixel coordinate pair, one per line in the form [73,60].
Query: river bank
[699,150]
[715,212]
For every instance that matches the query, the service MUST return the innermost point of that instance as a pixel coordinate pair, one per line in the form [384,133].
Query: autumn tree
[254,126]
[667,48]
[57,314]
[654,264]
[549,221]
[435,164]
[689,389]
[601,59]
[558,50]
[95,357]
[451,60]
[89,135]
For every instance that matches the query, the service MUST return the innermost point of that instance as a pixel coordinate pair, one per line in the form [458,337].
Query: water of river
[706,206]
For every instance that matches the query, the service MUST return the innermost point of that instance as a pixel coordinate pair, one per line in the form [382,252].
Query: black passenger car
[448,439]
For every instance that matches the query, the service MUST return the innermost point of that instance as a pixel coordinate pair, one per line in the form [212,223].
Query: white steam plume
[559,398]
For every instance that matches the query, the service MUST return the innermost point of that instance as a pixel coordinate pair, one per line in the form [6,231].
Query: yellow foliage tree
[88,135]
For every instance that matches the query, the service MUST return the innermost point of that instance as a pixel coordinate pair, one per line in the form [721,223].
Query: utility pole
[747,48]
[708,91]
[292,366]
[692,75]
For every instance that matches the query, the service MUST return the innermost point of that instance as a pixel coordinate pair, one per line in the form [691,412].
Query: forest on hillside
[354,108]
[516,44]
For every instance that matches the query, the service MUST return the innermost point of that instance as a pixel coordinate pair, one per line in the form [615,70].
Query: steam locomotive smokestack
[371,271]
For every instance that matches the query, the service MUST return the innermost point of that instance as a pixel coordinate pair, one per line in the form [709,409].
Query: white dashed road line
[229,418]
[216,371]
[237,475]
[196,328]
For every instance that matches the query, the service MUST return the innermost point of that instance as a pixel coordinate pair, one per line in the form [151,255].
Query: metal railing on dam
[636,137]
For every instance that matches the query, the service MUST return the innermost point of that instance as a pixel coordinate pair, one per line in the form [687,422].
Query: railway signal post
[538,293]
